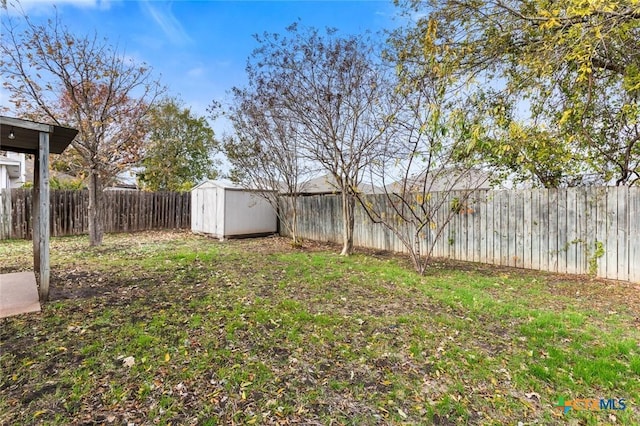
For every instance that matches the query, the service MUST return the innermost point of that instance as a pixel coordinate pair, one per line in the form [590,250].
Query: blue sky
[199,48]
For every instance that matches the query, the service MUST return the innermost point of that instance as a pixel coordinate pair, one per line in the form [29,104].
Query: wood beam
[25,124]
[35,214]
[44,223]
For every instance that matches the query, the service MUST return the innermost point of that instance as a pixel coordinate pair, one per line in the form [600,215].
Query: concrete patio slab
[18,294]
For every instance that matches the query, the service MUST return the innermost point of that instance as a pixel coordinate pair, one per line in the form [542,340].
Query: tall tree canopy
[567,69]
[330,91]
[180,149]
[84,82]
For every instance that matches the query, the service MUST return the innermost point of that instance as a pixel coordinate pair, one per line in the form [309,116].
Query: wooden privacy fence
[593,230]
[124,211]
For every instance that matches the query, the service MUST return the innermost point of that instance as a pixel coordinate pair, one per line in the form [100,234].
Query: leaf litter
[167,327]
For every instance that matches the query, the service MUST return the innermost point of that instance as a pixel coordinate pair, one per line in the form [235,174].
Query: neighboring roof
[320,185]
[27,136]
[122,187]
[446,180]
[13,166]
[61,176]
[326,184]
[128,178]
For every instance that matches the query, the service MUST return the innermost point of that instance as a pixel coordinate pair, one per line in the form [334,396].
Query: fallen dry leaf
[129,361]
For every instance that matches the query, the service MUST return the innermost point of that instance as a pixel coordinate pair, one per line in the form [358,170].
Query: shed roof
[221,183]
[26,135]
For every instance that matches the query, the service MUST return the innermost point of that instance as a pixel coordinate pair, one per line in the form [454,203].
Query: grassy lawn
[162,328]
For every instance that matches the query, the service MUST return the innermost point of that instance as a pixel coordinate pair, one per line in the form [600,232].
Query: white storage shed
[223,210]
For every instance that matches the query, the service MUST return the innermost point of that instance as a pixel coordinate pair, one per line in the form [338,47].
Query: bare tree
[265,154]
[82,82]
[427,170]
[328,88]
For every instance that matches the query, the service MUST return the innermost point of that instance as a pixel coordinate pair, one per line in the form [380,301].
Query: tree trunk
[419,264]
[294,221]
[348,203]
[95,209]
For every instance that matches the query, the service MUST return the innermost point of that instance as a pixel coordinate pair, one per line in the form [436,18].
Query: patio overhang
[26,136]
[40,140]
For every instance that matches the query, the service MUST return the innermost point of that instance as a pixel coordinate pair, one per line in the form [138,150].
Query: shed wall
[247,213]
[227,212]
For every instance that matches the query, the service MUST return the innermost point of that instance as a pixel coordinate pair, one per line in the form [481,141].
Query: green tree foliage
[426,169]
[55,183]
[563,69]
[180,149]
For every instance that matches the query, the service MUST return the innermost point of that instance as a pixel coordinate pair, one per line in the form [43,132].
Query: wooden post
[35,215]
[44,228]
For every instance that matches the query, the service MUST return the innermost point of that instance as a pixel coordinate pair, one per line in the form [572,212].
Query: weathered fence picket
[124,211]
[568,230]
[592,230]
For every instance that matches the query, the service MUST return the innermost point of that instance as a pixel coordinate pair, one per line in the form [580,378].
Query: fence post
[5,214]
